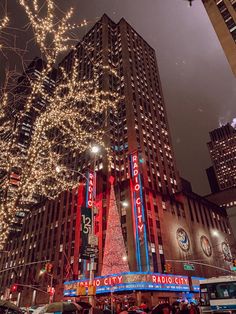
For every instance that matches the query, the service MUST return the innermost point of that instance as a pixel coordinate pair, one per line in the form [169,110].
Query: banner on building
[86,224]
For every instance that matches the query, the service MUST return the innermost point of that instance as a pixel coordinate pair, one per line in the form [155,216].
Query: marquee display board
[130,281]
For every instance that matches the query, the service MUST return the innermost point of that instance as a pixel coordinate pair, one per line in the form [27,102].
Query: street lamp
[42,272]
[125,204]
[94,149]
[124,258]
[59,169]
[215,233]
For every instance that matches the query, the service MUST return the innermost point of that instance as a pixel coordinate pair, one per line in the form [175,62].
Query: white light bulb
[95,149]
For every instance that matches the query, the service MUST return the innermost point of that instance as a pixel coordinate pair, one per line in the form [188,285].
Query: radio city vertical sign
[90,190]
[138,214]
[137,195]
[86,216]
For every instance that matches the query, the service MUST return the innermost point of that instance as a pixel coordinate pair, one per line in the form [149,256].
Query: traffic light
[42,271]
[92,290]
[51,291]
[80,290]
[14,288]
[167,268]
[48,267]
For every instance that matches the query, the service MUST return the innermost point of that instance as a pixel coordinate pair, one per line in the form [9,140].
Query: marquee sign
[130,281]
[138,214]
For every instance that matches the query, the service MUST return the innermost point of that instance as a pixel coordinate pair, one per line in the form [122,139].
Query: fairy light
[3,24]
[114,259]
[65,127]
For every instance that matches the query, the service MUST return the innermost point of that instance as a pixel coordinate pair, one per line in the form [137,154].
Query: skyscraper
[222,148]
[222,14]
[141,122]
[222,173]
[139,129]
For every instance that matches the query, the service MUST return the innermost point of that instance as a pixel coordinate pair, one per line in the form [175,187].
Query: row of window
[200,214]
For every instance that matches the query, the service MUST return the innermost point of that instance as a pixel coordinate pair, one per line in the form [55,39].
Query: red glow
[13,288]
[136,189]
[51,291]
[170,280]
[107,281]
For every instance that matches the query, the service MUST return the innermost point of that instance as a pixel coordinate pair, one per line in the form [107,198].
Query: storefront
[136,286]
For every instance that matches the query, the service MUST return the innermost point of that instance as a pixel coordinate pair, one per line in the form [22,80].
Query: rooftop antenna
[190,2]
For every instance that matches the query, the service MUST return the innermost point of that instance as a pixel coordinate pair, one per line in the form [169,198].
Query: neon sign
[100,281]
[136,186]
[130,281]
[90,190]
[138,215]
[178,280]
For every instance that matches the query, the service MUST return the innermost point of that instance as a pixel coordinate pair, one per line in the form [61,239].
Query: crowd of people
[164,308]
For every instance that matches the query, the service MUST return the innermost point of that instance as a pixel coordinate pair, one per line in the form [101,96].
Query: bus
[218,295]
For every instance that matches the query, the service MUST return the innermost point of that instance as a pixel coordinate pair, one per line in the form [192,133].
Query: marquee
[130,281]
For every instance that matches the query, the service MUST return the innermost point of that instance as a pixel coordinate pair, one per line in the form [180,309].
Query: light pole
[94,149]
[58,169]
[51,290]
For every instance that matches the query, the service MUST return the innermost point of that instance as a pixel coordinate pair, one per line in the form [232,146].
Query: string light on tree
[63,128]
[3,24]
[114,258]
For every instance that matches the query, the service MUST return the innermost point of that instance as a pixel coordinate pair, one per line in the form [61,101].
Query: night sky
[198,85]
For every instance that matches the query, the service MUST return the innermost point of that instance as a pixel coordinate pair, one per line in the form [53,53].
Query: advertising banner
[86,224]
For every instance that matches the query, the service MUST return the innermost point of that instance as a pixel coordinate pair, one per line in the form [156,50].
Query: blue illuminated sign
[139,216]
[131,281]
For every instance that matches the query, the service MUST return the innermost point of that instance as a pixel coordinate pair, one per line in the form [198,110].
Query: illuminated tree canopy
[61,109]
